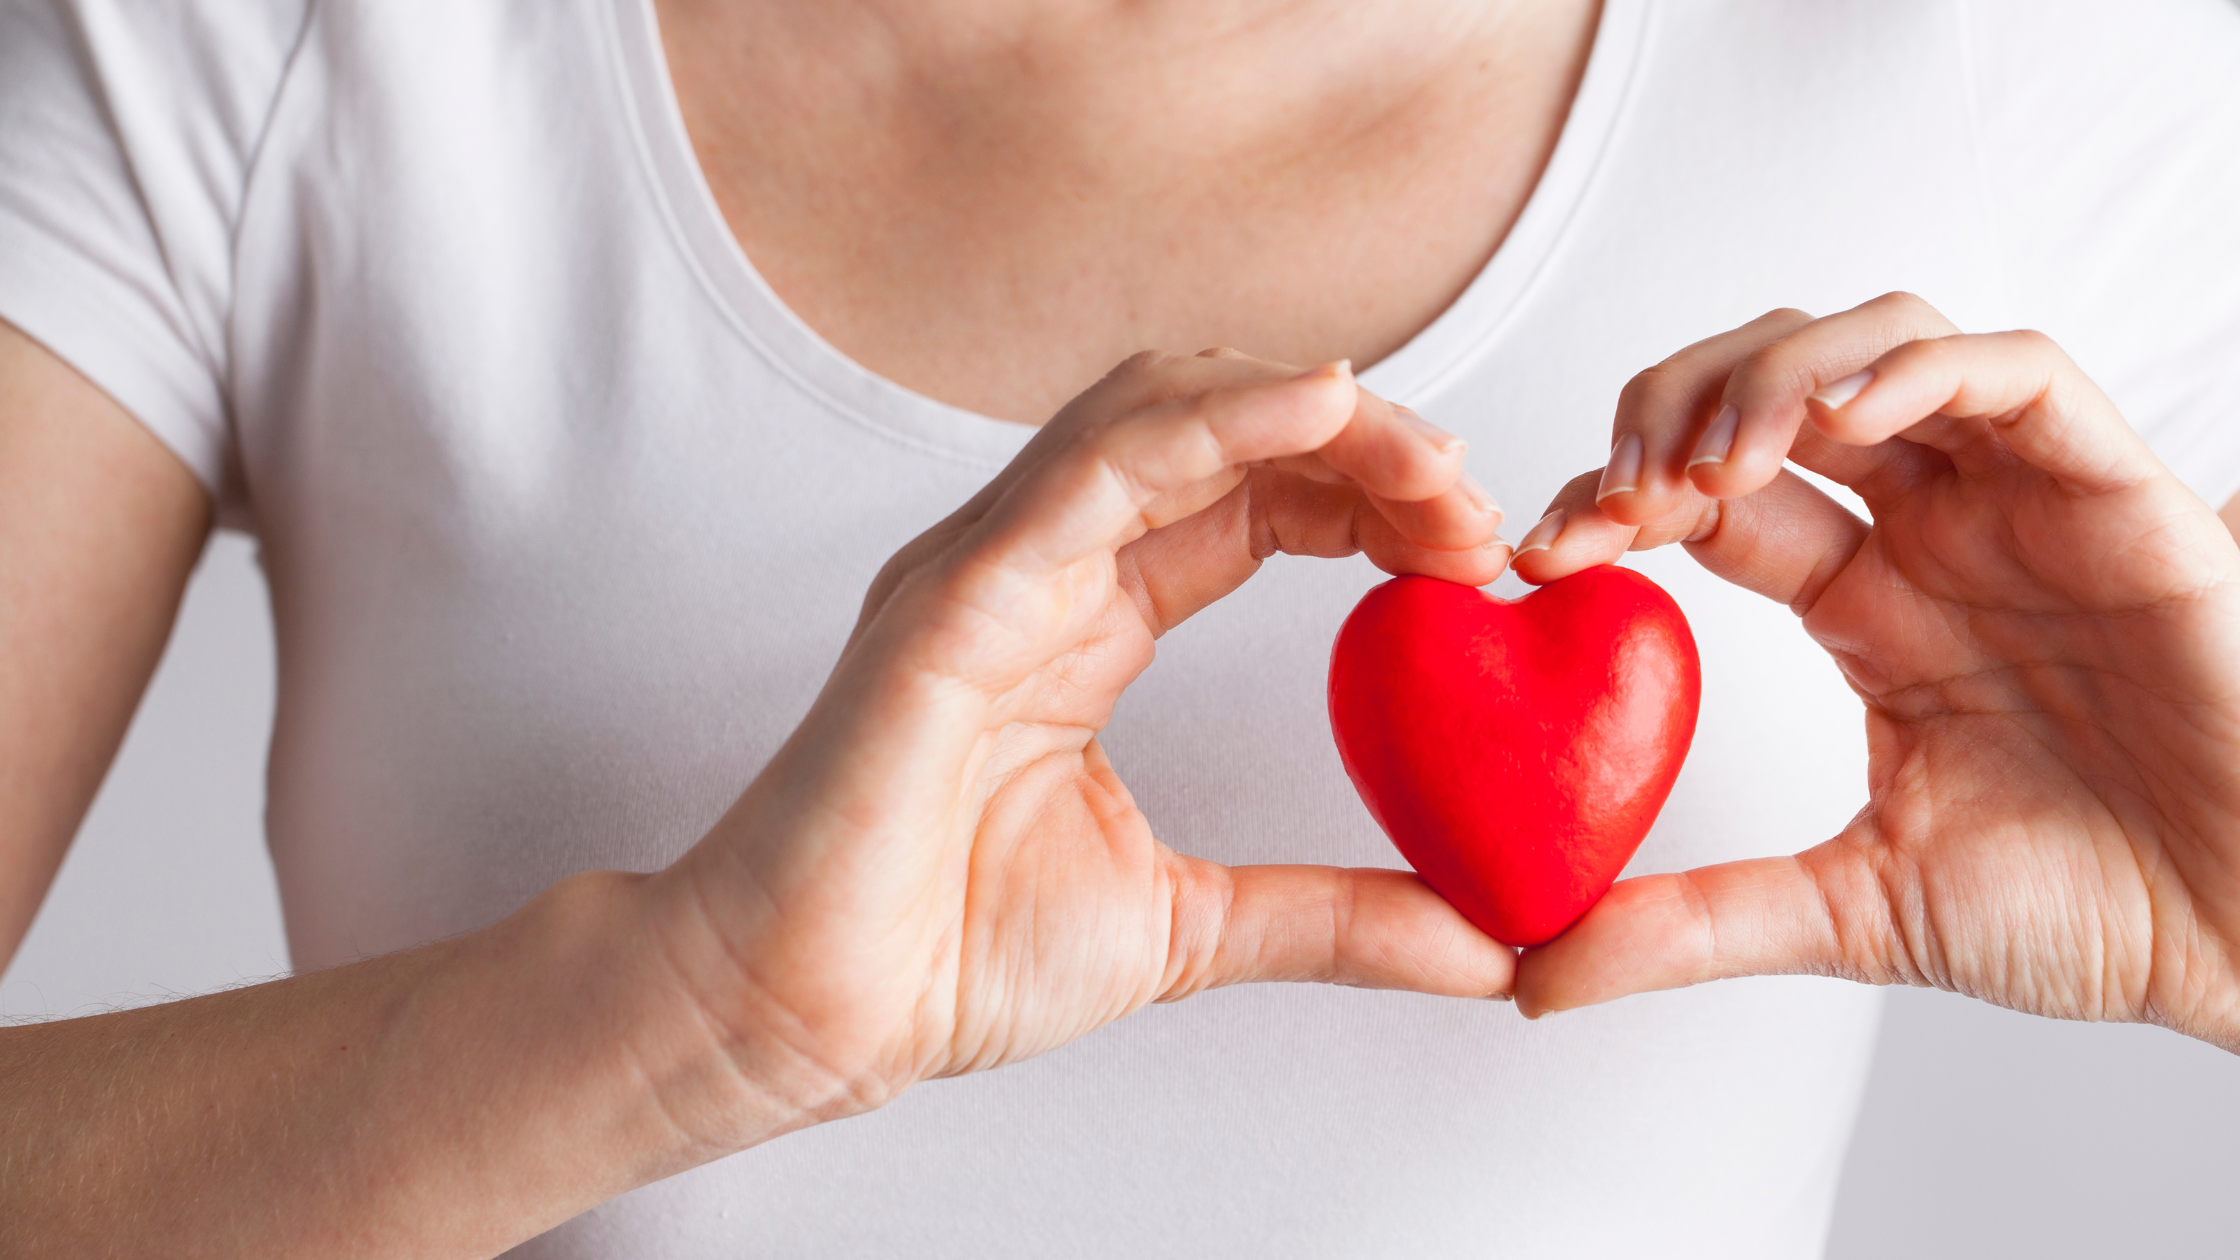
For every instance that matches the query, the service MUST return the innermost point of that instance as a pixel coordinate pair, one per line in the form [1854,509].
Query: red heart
[1516,751]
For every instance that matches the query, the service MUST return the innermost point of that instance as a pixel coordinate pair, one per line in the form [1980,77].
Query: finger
[1823,912]
[1375,929]
[1985,399]
[1152,377]
[1762,406]
[1174,572]
[1462,517]
[1786,542]
[1107,485]
[1671,415]
[1140,381]
[1576,533]
[1662,410]
[1395,453]
[1387,446]
[1413,472]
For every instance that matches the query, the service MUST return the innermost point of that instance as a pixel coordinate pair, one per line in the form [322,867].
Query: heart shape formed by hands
[1516,751]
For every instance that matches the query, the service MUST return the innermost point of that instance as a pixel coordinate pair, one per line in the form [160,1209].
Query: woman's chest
[546,477]
[997,229]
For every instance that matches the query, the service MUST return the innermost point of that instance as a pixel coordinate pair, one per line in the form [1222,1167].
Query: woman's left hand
[2043,623]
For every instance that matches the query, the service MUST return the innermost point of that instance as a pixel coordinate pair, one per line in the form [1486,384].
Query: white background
[1984,1133]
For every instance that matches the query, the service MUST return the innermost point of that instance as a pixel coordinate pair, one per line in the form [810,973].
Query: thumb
[1822,912]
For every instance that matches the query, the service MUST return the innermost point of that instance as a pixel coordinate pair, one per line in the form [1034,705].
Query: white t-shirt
[566,517]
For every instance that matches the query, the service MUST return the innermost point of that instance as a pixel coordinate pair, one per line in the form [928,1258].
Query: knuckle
[1907,316]
[1345,948]
[1139,461]
[1201,927]
[1777,368]
[1579,489]
[1695,902]
[1106,445]
[890,575]
[1929,354]
[1654,392]
[1140,370]
[1198,407]
[914,556]
[1143,379]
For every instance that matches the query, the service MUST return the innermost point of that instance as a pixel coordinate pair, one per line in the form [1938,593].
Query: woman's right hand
[940,871]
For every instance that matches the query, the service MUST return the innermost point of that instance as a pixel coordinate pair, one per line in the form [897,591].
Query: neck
[993,201]
[1228,72]
[966,29]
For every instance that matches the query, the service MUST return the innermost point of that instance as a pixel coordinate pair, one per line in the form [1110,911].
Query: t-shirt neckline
[1449,345]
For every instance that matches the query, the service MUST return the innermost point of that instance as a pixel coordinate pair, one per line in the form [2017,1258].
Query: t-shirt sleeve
[127,130]
[2111,151]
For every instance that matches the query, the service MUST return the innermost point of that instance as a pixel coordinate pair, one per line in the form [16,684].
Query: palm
[2044,626]
[1019,903]
[941,872]
[1055,846]
[2001,639]
[949,922]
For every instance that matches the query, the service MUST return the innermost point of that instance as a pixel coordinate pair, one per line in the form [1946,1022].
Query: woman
[566,511]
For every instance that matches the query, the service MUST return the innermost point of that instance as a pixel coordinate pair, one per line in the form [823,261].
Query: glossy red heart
[1516,751]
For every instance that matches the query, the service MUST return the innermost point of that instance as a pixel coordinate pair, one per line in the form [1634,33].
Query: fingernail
[1543,535]
[1477,495]
[1718,439]
[1835,394]
[1622,475]
[1446,443]
[1335,368]
[1501,997]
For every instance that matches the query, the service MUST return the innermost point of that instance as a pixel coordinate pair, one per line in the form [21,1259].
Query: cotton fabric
[566,516]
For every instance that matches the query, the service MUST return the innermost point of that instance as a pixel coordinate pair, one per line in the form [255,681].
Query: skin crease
[2042,623]
[1083,181]
[340,1129]
[458,1098]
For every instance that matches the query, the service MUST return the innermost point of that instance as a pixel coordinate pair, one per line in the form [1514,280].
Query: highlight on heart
[674,629]
[1516,752]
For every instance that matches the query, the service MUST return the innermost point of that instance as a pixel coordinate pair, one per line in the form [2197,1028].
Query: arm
[313,1110]
[100,526]
[871,913]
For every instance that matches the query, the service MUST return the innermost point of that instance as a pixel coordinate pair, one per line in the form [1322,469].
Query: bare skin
[459,1098]
[100,527]
[2042,623]
[1089,179]
[320,1115]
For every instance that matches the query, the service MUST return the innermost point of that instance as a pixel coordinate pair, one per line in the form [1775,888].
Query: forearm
[447,1101]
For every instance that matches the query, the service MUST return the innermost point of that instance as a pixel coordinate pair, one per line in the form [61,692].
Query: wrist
[603,947]
[801,1048]
[2193,913]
